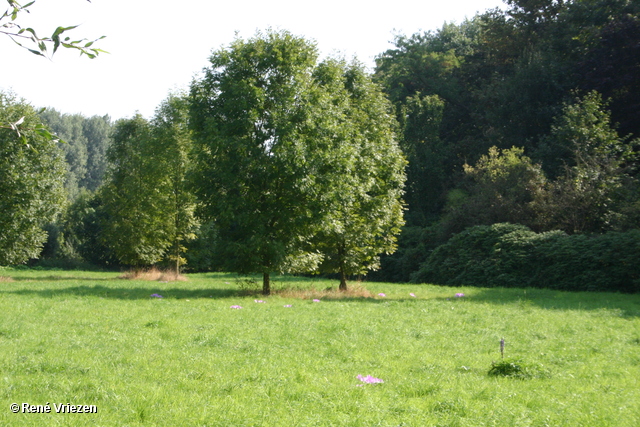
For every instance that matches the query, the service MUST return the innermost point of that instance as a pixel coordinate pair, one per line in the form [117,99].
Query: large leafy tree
[149,208]
[172,145]
[137,226]
[360,170]
[250,118]
[31,181]
[591,194]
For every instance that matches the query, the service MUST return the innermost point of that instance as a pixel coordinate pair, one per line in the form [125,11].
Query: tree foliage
[589,194]
[85,145]
[525,115]
[510,78]
[429,159]
[172,152]
[511,255]
[137,224]
[503,186]
[292,159]
[360,171]
[31,181]
[249,117]
[10,27]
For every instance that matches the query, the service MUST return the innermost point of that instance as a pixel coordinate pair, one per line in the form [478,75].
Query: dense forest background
[528,116]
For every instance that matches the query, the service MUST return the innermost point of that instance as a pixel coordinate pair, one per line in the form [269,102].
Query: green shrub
[509,255]
[517,369]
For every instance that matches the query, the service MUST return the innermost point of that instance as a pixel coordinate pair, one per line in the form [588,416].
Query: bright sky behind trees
[158,45]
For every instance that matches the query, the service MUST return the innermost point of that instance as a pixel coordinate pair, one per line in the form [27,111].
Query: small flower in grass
[316,300]
[287,305]
[459,295]
[412,294]
[156,295]
[369,379]
[236,307]
[258,300]
[382,294]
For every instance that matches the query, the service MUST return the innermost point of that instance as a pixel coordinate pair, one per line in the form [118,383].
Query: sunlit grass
[153,274]
[189,359]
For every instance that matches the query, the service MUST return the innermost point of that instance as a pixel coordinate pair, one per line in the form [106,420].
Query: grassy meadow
[189,359]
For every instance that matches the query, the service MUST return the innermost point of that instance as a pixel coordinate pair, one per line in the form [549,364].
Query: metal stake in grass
[502,348]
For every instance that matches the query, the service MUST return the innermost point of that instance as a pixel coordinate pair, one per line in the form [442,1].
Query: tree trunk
[341,258]
[177,248]
[266,286]
[343,280]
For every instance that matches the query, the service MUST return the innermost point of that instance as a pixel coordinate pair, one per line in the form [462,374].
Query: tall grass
[188,358]
[153,274]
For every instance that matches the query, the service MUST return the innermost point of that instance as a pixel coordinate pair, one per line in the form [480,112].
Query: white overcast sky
[157,46]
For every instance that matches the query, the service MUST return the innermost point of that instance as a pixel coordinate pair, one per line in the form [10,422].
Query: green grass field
[189,359]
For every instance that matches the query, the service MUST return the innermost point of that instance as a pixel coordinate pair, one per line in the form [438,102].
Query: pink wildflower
[369,379]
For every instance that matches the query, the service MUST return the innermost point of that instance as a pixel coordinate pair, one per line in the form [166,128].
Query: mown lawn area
[189,359]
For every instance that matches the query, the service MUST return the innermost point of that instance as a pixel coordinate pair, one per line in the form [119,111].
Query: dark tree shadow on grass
[58,278]
[130,293]
[628,305]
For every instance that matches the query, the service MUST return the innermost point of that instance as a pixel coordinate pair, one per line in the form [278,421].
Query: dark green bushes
[509,255]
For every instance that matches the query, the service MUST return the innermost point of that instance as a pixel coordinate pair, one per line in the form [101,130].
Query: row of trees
[293,163]
[278,162]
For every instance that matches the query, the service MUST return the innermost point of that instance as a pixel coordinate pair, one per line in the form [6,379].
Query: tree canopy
[360,170]
[249,117]
[136,223]
[31,181]
[291,158]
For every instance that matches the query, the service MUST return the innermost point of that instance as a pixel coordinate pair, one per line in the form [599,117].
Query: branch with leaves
[39,129]
[19,34]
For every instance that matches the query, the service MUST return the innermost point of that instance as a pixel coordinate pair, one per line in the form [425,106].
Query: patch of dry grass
[353,291]
[5,279]
[153,274]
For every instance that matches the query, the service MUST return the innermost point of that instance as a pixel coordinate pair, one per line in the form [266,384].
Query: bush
[510,255]
[517,369]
